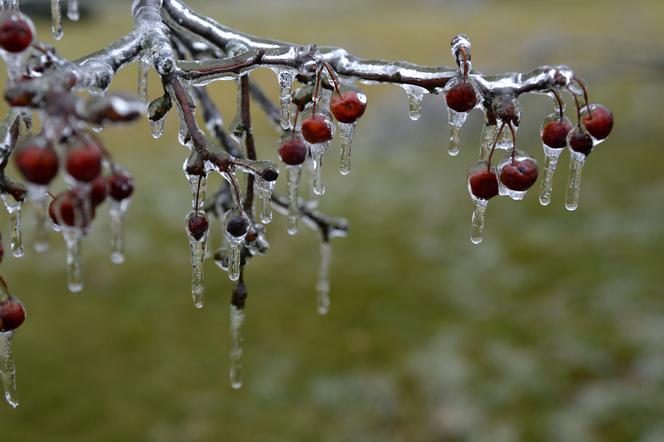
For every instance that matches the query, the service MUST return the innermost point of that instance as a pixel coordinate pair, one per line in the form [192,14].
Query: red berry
[197,224]
[483,183]
[120,186]
[598,121]
[554,132]
[519,175]
[579,141]
[317,129]
[293,152]
[348,107]
[16,32]
[37,161]
[461,97]
[237,226]
[12,314]
[84,160]
[68,209]
[98,191]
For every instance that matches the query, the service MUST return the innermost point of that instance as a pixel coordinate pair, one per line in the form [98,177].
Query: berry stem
[495,142]
[464,54]
[585,93]
[314,97]
[333,76]
[513,141]
[561,104]
[297,115]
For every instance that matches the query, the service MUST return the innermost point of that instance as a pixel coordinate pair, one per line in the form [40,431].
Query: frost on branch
[320,95]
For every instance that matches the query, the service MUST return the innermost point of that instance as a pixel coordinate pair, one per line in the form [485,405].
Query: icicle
[198,184]
[574,184]
[347,131]
[456,120]
[415,97]
[477,222]
[235,242]
[285,77]
[294,176]
[143,70]
[550,162]
[317,153]
[14,209]
[235,372]
[197,247]
[157,127]
[8,368]
[234,259]
[38,197]
[263,190]
[72,10]
[56,16]
[323,284]
[118,209]
[73,238]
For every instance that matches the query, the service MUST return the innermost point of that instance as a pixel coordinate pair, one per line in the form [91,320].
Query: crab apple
[554,131]
[579,141]
[84,160]
[482,181]
[198,225]
[98,191]
[317,129]
[293,152]
[69,209]
[348,107]
[16,32]
[12,314]
[37,160]
[519,174]
[461,97]
[120,186]
[598,120]
[237,226]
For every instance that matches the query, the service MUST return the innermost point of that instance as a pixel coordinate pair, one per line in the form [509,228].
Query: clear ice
[477,221]
[317,154]
[73,237]
[38,195]
[143,71]
[197,247]
[577,162]
[263,190]
[323,283]
[346,130]
[294,176]
[117,211]
[56,16]
[456,120]
[157,127]
[285,77]
[415,97]
[550,163]
[235,372]
[14,208]
[8,368]
[72,10]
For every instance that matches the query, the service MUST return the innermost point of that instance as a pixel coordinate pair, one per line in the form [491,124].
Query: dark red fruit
[84,161]
[237,226]
[483,184]
[293,152]
[580,141]
[12,314]
[554,133]
[598,121]
[317,129]
[120,186]
[16,32]
[198,225]
[519,175]
[67,208]
[348,107]
[98,191]
[461,97]
[37,161]
[270,174]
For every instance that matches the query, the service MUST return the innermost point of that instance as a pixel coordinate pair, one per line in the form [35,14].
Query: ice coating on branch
[38,196]
[8,368]
[56,16]
[235,371]
[285,78]
[73,237]
[14,209]
[577,162]
[117,211]
[294,176]
[550,163]
[323,283]
[346,131]
[143,71]
[72,10]
[415,97]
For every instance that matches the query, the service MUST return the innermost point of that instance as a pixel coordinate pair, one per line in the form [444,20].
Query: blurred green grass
[551,330]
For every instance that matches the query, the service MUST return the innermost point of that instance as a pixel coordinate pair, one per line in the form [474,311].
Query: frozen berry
[554,132]
[579,141]
[237,226]
[483,183]
[120,186]
[293,152]
[270,174]
[197,224]
[461,97]
[317,129]
[598,121]
[84,160]
[12,314]
[348,107]
[37,161]
[519,175]
[16,32]
[68,209]
[98,191]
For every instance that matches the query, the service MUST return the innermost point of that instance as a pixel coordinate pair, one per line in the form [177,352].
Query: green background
[550,330]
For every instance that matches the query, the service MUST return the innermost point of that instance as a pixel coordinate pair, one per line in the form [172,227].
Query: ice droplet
[197,247]
[263,190]
[294,176]
[73,238]
[285,77]
[157,127]
[317,153]
[415,97]
[456,120]
[346,131]
[40,203]
[323,283]
[72,10]
[550,163]
[56,16]
[8,368]
[143,70]
[235,372]
[577,162]
[477,221]
[117,211]
[14,208]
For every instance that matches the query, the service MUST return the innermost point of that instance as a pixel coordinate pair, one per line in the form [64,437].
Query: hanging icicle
[56,16]
[72,10]
[14,208]
[73,237]
[235,372]
[285,78]
[143,72]
[197,227]
[118,210]
[294,176]
[323,283]
[38,196]
[577,162]
[236,229]
[346,130]
[263,190]
[415,97]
